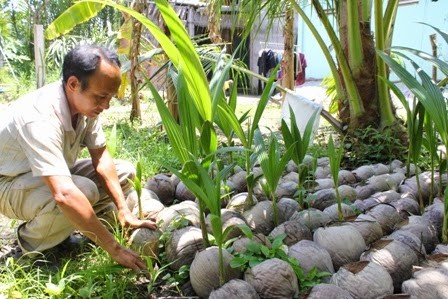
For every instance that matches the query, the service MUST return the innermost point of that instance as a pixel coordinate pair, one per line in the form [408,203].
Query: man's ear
[73,83]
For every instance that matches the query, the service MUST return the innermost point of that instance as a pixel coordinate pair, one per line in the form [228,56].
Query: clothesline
[266,44]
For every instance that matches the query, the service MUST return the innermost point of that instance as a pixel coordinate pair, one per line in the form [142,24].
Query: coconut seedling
[429,94]
[335,156]
[137,185]
[272,164]
[415,119]
[300,143]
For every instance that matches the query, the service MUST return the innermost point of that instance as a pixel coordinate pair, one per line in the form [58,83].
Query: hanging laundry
[301,66]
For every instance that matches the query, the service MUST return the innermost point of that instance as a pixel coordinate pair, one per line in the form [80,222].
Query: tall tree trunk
[288,53]
[136,112]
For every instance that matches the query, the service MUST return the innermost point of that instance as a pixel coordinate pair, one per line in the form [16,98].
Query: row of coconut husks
[384,246]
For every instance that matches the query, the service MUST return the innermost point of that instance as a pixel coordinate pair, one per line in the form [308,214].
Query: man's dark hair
[83,60]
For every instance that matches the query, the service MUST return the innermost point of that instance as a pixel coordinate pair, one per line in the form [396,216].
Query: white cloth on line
[303,109]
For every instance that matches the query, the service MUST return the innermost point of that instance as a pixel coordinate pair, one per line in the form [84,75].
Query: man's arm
[107,174]
[77,208]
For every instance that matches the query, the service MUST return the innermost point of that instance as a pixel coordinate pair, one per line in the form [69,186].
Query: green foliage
[370,145]
[137,185]
[335,156]
[256,253]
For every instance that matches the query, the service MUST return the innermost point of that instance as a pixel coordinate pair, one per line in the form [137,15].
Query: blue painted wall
[408,33]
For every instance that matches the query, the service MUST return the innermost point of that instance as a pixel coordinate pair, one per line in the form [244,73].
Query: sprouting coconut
[182,246]
[313,218]
[260,217]
[229,218]
[344,243]
[347,211]
[186,209]
[235,289]
[240,244]
[410,186]
[145,241]
[286,189]
[328,291]
[239,202]
[428,283]
[162,185]
[273,279]
[204,271]
[394,256]
[434,214]
[294,231]
[386,215]
[364,279]
[347,192]
[151,206]
[410,239]
[310,255]
[291,177]
[369,228]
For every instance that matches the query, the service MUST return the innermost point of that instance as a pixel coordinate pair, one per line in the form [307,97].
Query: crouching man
[41,180]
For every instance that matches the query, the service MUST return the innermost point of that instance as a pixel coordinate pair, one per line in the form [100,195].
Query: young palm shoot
[335,156]
[293,138]
[137,185]
[272,165]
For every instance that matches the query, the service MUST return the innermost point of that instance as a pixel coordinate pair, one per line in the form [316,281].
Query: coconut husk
[406,206]
[323,162]
[382,182]
[240,203]
[365,191]
[290,177]
[145,241]
[380,169]
[238,181]
[310,255]
[364,172]
[187,209]
[428,283]
[346,177]
[312,218]
[368,227]
[328,291]
[364,279]
[423,230]
[325,183]
[386,196]
[323,199]
[258,191]
[286,208]
[410,186]
[260,217]
[151,206]
[274,279]
[182,193]
[240,244]
[294,231]
[291,166]
[182,246]
[229,218]
[409,239]
[346,210]
[235,289]
[365,204]
[163,186]
[386,215]
[344,243]
[286,189]
[322,172]
[394,256]
[204,271]
[175,180]
[347,192]
[434,214]
[395,164]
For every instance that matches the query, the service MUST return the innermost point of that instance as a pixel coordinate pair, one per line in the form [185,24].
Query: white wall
[408,33]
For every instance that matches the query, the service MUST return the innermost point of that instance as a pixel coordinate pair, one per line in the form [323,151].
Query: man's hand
[128,258]
[127,219]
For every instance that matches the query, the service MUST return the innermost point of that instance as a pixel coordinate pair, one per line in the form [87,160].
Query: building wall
[408,33]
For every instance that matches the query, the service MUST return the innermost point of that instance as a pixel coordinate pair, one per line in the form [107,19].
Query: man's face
[102,86]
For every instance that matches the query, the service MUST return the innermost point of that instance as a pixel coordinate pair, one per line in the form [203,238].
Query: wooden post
[433,40]
[39,54]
